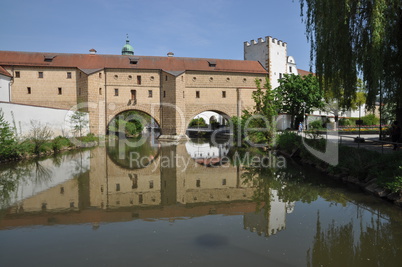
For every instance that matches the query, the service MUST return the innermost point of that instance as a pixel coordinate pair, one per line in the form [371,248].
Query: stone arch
[220,110]
[146,109]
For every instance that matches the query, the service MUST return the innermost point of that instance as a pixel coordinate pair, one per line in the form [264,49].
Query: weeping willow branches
[351,38]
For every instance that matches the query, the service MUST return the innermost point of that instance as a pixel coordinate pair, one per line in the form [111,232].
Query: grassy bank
[364,166]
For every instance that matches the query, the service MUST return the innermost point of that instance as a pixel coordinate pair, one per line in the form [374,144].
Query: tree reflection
[377,244]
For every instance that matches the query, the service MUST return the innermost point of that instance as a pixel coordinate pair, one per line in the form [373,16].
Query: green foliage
[347,122]
[198,122]
[316,125]
[129,123]
[288,141]
[38,135]
[370,119]
[79,122]
[8,143]
[59,142]
[258,124]
[296,95]
[351,37]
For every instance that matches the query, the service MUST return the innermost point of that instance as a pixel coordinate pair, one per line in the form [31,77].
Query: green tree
[357,37]
[296,95]
[38,135]
[259,123]
[8,143]
[79,122]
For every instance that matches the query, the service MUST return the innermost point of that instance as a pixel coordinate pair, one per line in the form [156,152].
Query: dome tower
[127,48]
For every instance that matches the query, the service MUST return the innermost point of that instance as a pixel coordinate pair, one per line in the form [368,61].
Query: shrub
[346,122]
[316,125]
[8,143]
[200,122]
[370,119]
[288,141]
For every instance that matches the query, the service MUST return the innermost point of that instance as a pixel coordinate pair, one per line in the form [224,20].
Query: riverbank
[375,173]
[29,149]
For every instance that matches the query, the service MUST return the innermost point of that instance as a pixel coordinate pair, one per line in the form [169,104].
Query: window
[183,95]
[62,190]
[40,74]
[164,93]
[290,69]
[71,204]
[166,78]
[29,90]
[100,75]
[280,75]
[223,94]
[17,74]
[134,95]
[140,199]
[69,75]
[198,183]
[116,92]
[149,93]
[117,187]
[197,94]
[135,182]
[60,90]
[223,181]
[151,184]
[139,79]
[100,91]
[134,60]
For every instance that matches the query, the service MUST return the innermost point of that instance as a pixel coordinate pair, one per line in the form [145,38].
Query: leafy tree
[79,122]
[198,122]
[8,142]
[259,123]
[296,95]
[357,37]
[38,135]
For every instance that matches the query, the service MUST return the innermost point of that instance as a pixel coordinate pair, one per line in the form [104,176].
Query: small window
[17,74]
[62,190]
[166,78]
[149,93]
[164,93]
[151,78]
[100,91]
[244,80]
[290,69]
[151,184]
[223,181]
[130,77]
[71,204]
[60,90]
[116,92]
[197,94]
[40,74]
[29,90]
[140,199]
[116,77]
[223,94]
[183,95]
[139,79]
[117,187]
[100,75]
[134,60]
[198,183]
[280,75]
[69,75]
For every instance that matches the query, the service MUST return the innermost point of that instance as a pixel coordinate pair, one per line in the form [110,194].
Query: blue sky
[189,28]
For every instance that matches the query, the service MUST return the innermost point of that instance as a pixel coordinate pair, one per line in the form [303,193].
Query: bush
[288,141]
[59,143]
[347,122]
[316,125]
[8,143]
[200,122]
[370,119]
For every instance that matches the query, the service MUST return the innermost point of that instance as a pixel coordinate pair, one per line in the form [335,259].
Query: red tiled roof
[4,72]
[304,72]
[96,61]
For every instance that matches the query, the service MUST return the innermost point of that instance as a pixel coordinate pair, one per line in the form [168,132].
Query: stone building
[171,89]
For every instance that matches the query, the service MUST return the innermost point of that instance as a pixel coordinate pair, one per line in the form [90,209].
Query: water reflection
[181,183]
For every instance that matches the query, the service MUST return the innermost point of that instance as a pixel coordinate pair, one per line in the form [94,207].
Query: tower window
[149,93]
[60,90]
[116,92]
[69,75]
[223,94]
[139,79]
[17,74]
[40,74]
[290,69]
[197,94]
[100,91]
[29,90]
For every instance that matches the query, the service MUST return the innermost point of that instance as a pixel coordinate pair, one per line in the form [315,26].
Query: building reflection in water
[176,181]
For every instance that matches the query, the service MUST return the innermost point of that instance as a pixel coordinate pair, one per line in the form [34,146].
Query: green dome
[127,49]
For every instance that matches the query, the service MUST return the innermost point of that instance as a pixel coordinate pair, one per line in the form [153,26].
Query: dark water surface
[187,205]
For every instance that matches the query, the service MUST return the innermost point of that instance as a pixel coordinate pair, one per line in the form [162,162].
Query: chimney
[170,54]
[92,51]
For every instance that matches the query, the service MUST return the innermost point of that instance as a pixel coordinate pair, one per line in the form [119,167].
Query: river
[188,204]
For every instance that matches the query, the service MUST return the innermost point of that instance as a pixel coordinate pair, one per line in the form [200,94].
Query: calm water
[187,205]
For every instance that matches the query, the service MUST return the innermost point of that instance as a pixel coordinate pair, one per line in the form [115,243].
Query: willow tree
[351,38]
